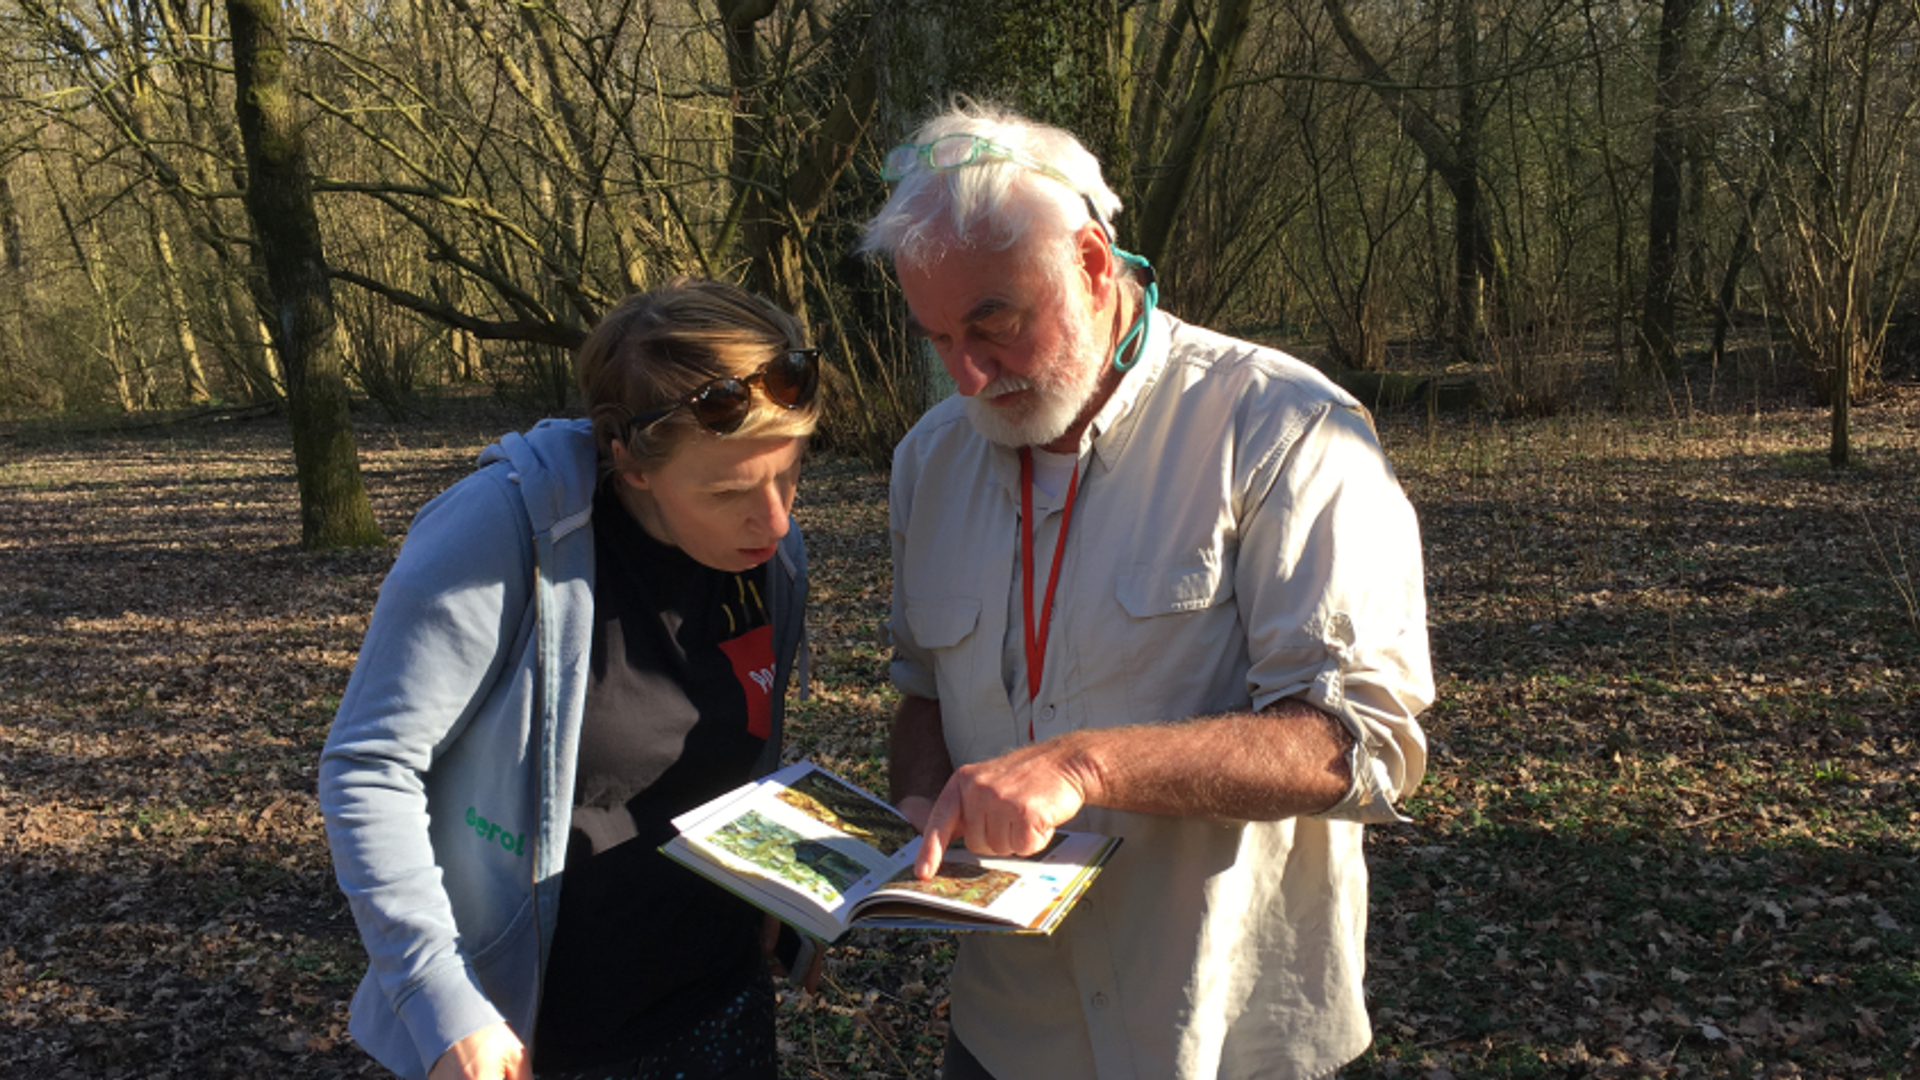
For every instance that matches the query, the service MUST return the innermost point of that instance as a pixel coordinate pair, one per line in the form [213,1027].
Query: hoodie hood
[555,479]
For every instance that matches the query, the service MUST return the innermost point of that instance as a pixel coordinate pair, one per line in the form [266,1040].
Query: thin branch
[534,331]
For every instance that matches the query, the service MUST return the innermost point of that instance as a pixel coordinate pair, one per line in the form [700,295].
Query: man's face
[1018,341]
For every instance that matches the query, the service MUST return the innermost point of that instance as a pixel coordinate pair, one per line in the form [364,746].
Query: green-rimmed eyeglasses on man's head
[958,151]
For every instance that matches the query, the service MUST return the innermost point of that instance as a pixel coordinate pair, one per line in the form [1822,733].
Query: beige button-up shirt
[1238,538]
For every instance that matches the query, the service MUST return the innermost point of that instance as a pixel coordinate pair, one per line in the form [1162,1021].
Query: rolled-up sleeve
[1331,589]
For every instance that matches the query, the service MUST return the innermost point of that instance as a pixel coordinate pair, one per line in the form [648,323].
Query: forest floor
[1671,825]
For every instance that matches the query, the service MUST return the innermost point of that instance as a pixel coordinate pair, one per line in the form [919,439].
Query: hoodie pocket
[492,952]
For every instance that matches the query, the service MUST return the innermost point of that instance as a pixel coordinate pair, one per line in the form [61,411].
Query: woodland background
[253,202]
[1629,286]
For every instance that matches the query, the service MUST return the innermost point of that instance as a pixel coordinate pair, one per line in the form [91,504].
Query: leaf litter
[1671,825]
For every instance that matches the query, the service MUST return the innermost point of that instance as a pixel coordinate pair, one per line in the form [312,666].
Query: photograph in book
[810,864]
[832,801]
[825,856]
[962,883]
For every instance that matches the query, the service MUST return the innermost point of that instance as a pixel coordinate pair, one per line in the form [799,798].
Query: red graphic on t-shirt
[752,656]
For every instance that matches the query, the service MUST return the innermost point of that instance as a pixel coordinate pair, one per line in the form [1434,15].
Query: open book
[826,856]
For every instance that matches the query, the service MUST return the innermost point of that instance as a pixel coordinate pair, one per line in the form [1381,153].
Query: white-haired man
[1148,581]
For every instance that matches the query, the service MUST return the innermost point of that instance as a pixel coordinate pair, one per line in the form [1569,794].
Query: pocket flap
[1163,590]
[937,624]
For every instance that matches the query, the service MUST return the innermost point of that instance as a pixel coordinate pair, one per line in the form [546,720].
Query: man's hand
[1009,805]
[492,1053]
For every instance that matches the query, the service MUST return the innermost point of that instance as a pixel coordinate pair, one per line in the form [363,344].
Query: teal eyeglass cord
[1149,299]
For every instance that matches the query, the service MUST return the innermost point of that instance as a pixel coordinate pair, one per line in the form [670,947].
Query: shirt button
[1047,714]
[1099,1000]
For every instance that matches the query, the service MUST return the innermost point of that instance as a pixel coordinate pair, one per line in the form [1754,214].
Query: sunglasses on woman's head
[721,405]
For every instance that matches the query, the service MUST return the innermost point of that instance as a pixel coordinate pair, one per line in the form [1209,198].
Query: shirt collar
[1113,425]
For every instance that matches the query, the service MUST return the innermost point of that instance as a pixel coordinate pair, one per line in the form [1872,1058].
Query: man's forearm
[1287,760]
[917,761]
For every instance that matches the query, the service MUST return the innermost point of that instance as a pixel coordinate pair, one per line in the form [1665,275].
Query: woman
[587,636]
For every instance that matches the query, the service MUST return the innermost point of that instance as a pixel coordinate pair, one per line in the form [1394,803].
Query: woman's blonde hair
[656,348]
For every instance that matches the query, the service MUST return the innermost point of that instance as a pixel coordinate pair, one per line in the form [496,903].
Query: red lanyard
[1037,636]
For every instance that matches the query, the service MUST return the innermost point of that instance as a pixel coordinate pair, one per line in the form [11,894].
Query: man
[1152,582]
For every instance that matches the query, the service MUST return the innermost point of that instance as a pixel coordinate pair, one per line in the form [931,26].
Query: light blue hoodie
[447,780]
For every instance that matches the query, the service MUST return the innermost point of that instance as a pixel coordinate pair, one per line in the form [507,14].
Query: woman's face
[722,501]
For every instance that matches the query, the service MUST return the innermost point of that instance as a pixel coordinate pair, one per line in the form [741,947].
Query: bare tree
[1839,226]
[128,93]
[785,160]
[489,178]
[1055,61]
[1361,184]
[1454,154]
[193,373]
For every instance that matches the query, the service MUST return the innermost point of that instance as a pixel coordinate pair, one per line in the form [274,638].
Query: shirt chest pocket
[945,629]
[942,624]
[1179,639]
[1169,590]
[971,711]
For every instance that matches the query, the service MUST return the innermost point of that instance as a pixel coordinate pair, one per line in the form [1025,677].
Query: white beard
[1064,382]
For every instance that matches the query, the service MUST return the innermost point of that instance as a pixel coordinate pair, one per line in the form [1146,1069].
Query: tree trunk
[1659,305]
[251,354]
[334,511]
[1470,237]
[781,197]
[118,349]
[193,374]
[1056,61]
[1453,156]
[1729,284]
[1741,249]
[12,236]
[1193,125]
[13,278]
[586,168]
[1840,444]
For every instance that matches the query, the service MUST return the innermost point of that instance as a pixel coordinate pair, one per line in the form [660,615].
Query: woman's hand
[492,1053]
[916,809]
[810,957]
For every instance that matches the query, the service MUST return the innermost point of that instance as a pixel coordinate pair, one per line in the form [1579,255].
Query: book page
[1029,892]
[806,829]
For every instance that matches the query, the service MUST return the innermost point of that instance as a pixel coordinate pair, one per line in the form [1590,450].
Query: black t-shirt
[678,710]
